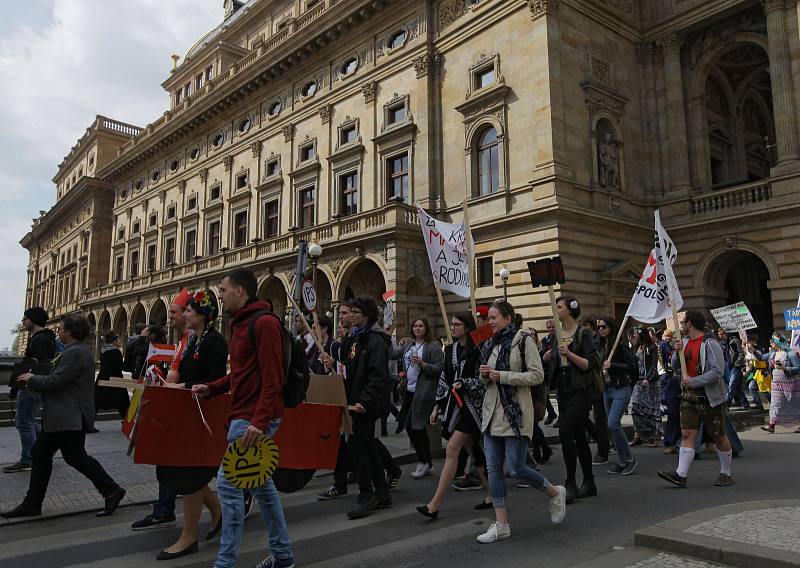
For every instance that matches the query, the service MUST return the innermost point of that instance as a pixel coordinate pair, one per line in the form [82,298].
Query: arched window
[488,162]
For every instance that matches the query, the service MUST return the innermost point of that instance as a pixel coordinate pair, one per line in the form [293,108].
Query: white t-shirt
[413,371]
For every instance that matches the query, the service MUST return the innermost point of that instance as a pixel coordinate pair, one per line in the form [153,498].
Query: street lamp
[314,251]
[504,274]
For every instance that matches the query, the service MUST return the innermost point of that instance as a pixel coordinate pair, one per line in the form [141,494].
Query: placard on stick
[549,272]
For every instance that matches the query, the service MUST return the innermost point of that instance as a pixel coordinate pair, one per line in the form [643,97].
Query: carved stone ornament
[698,43]
[427,64]
[730,241]
[335,265]
[624,6]
[290,275]
[450,11]
[325,113]
[227,161]
[255,148]
[203,175]
[383,252]
[540,8]
[370,91]
[181,186]
[288,132]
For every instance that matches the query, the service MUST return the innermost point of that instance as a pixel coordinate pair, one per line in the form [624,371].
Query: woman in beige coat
[510,367]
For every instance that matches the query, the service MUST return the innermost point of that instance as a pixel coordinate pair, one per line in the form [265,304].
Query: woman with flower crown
[205,360]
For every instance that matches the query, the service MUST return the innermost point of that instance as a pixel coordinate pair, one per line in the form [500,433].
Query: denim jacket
[712,371]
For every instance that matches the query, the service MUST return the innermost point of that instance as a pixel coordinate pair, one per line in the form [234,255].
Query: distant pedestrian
[68,397]
[111,367]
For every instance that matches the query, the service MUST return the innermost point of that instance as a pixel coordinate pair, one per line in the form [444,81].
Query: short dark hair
[368,307]
[111,337]
[506,309]
[591,321]
[77,326]
[571,301]
[697,319]
[245,279]
[467,319]
[518,320]
[428,329]
[139,328]
[326,323]
[160,335]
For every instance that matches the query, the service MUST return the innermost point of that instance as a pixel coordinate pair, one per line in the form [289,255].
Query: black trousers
[574,410]
[344,465]
[72,446]
[599,428]
[366,459]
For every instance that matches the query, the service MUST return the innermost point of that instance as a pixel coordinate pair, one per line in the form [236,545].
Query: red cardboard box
[308,437]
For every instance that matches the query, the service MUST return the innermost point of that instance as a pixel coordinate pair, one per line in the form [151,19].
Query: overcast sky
[62,62]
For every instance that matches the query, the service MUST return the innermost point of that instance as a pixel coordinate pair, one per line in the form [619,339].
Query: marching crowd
[490,388]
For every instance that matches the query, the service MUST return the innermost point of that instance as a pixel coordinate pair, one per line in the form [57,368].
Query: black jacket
[110,364]
[624,368]
[135,356]
[39,354]
[207,363]
[366,358]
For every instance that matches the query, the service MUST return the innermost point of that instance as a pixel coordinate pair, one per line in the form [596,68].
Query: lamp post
[504,274]
[314,251]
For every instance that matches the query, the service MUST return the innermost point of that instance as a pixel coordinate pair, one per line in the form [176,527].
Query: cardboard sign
[308,437]
[792,318]
[170,430]
[309,296]
[329,389]
[388,314]
[251,467]
[447,245]
[547,272]
[734,317]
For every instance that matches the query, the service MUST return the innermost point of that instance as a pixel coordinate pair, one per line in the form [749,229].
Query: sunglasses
[602,327]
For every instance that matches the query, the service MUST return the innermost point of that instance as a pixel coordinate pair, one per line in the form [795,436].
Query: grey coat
[711,373]
[428,381]
[68,391]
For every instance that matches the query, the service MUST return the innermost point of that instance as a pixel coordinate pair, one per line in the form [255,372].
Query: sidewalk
[71,493]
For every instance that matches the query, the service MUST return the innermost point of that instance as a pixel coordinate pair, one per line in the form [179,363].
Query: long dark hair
[613,329]
[645,339]
[469,324]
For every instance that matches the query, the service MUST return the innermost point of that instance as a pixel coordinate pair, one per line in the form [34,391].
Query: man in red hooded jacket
[255,382]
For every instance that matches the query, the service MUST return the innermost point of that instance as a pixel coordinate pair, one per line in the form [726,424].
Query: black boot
[588,489]
[363,507]
[22,510]
[572,490]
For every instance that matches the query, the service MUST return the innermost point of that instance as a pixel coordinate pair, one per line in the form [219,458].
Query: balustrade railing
[732,198]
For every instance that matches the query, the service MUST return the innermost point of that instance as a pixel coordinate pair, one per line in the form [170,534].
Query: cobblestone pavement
[777,527]
[664,560]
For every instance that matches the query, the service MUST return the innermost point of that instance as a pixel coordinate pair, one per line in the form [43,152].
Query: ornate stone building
[563,123]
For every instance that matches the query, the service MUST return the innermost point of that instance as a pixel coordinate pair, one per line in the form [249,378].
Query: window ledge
[484,100]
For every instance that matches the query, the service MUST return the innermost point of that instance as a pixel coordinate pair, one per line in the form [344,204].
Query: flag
[159,353]
[651,299]
[447,244]
[795,342]
[481,334]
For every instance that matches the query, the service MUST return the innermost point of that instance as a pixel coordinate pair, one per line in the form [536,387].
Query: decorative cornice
[450,11]
[541,8]
[427,64]
[370,91]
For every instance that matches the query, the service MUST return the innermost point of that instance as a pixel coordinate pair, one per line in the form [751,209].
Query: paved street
[598,530]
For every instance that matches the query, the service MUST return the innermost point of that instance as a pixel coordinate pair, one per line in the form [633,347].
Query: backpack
[296,375]
[595,364]
[538,392]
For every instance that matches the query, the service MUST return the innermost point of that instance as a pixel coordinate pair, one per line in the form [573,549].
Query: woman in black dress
[205,360]
[111,366]
[459,401]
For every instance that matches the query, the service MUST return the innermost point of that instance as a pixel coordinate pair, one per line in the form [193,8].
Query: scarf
[509,396]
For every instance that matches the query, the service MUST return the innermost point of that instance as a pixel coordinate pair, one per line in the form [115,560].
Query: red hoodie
[256,377]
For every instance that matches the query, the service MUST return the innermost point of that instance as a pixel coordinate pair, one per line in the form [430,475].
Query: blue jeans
[616,401]
[515,450]
[232,501]
[28,406]
[753,388]
[164,508]
[736,389]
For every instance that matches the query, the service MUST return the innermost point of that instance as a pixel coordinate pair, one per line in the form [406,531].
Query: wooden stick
[305,324]
[470,246]
[681,354]
[120,385]
[556,321]
[616,341]
[444,313]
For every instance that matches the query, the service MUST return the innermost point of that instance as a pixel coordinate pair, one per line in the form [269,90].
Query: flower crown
[202,303]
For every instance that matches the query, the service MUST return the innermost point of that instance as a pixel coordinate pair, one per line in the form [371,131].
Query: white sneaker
[558,505]
[419,472]
[496,532]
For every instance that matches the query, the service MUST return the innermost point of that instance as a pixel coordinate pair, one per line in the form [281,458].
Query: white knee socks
[685,459]
[725,461]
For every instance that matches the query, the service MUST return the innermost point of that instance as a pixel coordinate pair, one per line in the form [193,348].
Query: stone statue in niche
[608,161]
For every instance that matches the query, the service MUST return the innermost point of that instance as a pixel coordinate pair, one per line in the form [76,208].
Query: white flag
[447,252]
[160,353]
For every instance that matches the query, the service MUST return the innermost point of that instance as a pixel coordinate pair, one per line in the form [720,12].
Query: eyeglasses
[602,327]
[355,311]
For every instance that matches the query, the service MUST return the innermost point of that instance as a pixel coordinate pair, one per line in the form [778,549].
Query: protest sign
[792,319]
[247,468]
[388,308]
[446,244]
[795,342]
[549,272]
[309,436]
[734,317]
[651,298]
[309,296]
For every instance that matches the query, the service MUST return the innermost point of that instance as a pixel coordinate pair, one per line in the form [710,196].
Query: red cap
[483,311]
[183,297]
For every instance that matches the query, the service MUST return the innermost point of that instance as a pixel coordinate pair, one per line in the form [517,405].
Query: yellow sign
[134,405]
[251,467]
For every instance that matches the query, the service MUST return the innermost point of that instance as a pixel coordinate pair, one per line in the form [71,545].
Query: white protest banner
[734,317]
[795,342]
[447,252]
[650,302]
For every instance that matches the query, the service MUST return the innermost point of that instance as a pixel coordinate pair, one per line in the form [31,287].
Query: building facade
[563,124]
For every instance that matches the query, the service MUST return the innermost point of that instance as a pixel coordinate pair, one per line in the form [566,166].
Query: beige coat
[494,418]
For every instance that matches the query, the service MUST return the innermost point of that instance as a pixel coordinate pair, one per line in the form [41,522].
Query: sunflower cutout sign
[247,468]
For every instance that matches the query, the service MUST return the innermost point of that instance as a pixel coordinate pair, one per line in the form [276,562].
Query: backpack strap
[521,346]
[252,323]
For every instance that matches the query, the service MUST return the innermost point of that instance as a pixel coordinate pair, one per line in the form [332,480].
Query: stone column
[676,121]
[702,160]
[781,76]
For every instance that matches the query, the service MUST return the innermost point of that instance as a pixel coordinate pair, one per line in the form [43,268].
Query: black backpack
[296,375]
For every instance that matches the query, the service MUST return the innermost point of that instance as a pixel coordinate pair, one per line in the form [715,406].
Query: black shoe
[215,531]
[164,555]
[17,467]
[588,489]
[383,502]
[673,478]
[22,510]
[93,431]
[423,510]
[151,522]
[351,478]
[112,502]
[393,479]
[572,491]
[550,419]
[363,507]
[483,505]
[547,453]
